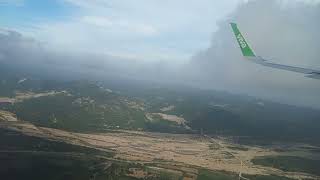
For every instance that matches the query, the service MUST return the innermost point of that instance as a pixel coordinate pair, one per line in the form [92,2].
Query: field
[290,163]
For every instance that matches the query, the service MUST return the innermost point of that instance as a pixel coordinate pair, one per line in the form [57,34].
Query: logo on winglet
[241,41]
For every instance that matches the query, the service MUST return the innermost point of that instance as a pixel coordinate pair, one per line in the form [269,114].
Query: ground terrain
[87,130]
[179,154]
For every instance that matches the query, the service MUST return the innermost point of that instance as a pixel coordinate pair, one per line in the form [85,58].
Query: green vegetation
[35,166]
[162,173]
[28,157]
[7,87]
[89,108]
[312,149]
[16,141]
[219,175]
[290,163]
[238,148]
[92,107]
[227,114]
[58,112]
[270,177]
[215,175]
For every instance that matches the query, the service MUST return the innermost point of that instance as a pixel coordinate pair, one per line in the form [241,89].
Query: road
[230,153]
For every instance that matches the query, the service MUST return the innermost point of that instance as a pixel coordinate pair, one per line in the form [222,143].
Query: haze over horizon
[170,41]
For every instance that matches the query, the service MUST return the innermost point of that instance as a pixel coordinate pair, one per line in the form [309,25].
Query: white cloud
[138,28]
[98,21]
[120,25]
[144,28]
[311,2]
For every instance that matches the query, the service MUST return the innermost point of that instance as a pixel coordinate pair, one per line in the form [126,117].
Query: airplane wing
[248,53]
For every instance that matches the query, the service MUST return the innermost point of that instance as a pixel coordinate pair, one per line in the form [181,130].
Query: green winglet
[246,50]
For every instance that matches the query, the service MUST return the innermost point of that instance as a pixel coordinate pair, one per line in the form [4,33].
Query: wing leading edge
[248,53]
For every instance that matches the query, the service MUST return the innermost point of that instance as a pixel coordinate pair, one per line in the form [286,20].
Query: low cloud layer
[31,56]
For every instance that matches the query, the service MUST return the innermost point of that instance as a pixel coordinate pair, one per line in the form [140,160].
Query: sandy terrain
[20,96]
[7,116]
[187,150]
[6,100]
[172,118]
[169,108]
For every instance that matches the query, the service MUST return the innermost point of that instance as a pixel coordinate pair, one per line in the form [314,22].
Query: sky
[150,30]
[173,41]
